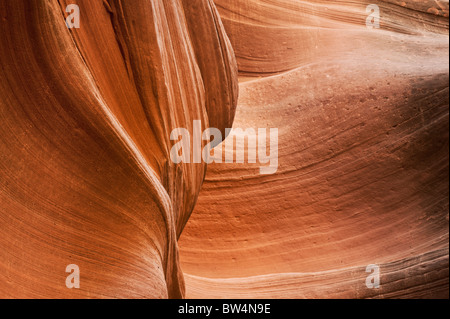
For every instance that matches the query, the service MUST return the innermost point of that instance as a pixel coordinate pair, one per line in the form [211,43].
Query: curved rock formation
[85,175]
[363,156]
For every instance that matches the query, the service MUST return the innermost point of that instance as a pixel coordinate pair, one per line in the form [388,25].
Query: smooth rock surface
[86,176]
[363,156]
[86,114]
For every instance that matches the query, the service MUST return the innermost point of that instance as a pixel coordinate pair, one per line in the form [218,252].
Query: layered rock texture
[86,176]
[363,156]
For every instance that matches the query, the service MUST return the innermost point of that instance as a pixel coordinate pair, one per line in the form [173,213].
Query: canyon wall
[363,156]
[86,114]
[86,175]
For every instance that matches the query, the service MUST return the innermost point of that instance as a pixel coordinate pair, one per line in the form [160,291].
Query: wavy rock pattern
[363,156]
[85,171]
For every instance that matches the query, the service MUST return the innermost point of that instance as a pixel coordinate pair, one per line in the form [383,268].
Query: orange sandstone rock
[86,115]
[85,170]
[363,157]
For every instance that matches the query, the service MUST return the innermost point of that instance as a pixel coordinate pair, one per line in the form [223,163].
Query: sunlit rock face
[363,156]
[86,115]
[86,176]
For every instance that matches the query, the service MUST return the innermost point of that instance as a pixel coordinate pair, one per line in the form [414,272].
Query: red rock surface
[363,167]
[85,170]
